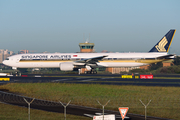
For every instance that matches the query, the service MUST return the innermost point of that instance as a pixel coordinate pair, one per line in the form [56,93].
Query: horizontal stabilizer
[171,56]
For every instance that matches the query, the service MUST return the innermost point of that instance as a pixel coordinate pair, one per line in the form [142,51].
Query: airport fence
[160,106]
[156,107]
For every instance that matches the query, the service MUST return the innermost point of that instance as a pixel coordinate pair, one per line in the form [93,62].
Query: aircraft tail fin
[164,44]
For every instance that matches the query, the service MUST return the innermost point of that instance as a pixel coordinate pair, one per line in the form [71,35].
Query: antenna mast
[89,37]
[83,37]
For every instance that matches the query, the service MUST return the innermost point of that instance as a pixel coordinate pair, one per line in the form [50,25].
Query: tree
[155,66]
[177,60]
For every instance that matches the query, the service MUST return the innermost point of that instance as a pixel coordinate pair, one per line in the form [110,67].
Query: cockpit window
[7,58]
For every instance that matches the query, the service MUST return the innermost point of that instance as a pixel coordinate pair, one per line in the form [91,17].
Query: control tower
[86,47]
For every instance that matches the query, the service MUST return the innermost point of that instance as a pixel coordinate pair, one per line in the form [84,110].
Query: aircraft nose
[5,62]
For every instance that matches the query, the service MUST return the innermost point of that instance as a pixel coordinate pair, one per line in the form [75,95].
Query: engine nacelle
[66,66]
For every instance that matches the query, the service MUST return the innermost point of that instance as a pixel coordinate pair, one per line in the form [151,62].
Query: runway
[166,81]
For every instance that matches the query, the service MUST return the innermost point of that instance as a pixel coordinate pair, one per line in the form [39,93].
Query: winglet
[164,44]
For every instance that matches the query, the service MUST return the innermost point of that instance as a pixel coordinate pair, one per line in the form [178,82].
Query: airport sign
[123,111]
[146,76]
[4,79]
[126,76]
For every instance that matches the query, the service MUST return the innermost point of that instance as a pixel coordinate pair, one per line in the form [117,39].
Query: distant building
[118,70]
[104,51]
[23,52]
[45,52]
[4,54]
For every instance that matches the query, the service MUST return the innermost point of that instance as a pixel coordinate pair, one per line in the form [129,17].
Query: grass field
[165,101]
[11,112]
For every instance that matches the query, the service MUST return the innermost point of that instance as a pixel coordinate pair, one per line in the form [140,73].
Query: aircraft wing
[93,60]
[166,56]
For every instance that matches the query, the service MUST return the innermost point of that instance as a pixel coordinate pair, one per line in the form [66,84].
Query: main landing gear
[90,72]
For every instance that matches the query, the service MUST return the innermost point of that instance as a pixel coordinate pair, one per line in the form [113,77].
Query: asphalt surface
[14,99]
[170,81]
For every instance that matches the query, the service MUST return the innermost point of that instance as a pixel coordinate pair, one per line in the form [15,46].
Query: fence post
[145,106]
[65,108]
[29,103]
[103,107]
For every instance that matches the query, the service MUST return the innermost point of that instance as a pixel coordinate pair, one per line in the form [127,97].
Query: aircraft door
[17,60]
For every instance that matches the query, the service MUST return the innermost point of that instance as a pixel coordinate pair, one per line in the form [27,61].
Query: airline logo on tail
[161,46]
[164,44]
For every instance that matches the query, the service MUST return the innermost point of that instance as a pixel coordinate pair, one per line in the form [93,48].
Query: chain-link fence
[161,106]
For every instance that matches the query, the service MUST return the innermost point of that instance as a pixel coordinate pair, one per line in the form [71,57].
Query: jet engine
[66,66]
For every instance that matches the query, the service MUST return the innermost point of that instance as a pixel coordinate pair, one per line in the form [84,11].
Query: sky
[113,25]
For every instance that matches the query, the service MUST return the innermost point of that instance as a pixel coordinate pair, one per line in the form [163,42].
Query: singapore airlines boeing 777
[71,61]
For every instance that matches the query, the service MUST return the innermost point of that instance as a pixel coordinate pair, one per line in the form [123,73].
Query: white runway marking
[81,78]
[60,80]
[88,80]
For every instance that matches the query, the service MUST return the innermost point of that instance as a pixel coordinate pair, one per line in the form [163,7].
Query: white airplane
[71,61]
